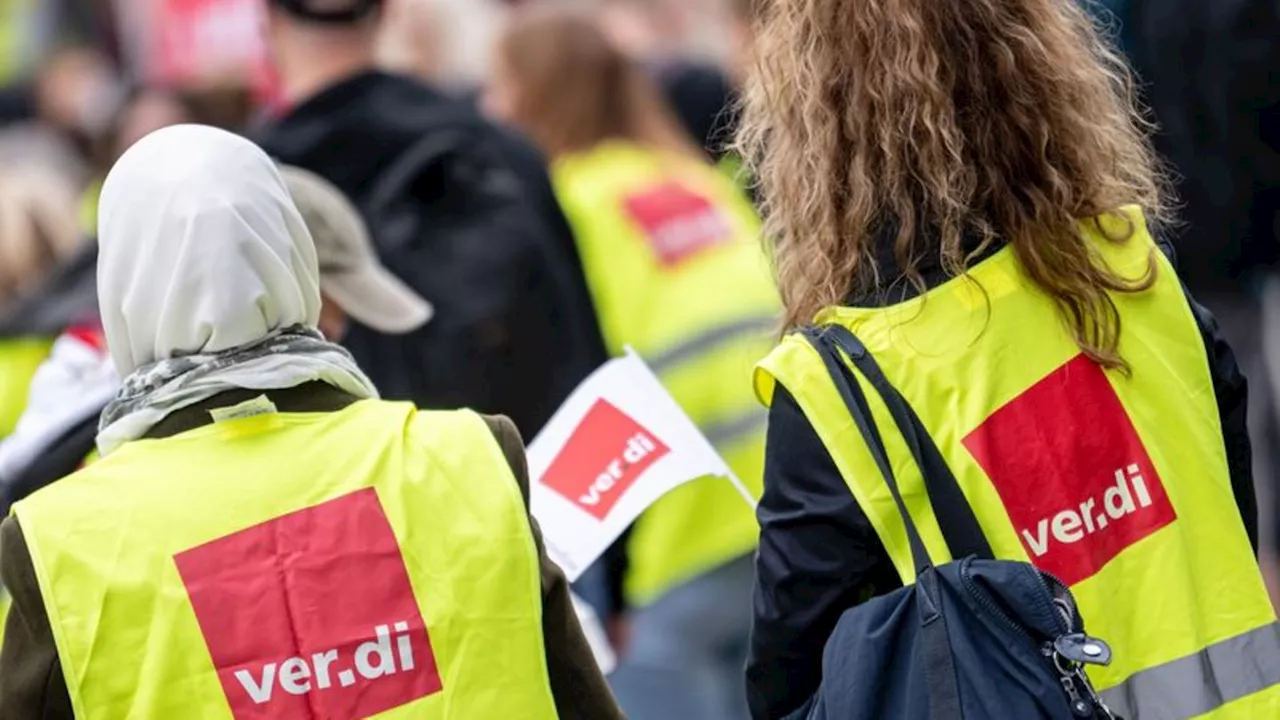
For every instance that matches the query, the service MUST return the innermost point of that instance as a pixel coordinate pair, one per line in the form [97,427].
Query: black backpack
[974,639]
[453,219]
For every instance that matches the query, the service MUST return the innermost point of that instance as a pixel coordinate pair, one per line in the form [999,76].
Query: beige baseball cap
[350,272]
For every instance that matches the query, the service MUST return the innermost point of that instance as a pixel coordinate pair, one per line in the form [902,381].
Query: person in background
[966,187]
[446,43]
[701,93]
[412,40]
[461,209]
[211,298]
[37,231]
[671,250]
[1209,71]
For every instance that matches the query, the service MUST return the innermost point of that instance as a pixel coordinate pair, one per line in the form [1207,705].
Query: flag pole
[742,490]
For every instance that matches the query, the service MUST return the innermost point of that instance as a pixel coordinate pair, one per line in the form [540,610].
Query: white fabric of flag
[618,444]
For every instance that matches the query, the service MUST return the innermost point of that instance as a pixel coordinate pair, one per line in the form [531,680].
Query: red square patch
[1072,473]
[606,454]
[678,222]
[312,614]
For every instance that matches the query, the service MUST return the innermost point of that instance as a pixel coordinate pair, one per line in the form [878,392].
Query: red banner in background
[193,42]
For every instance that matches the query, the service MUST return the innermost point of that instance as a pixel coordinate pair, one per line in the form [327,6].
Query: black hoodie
[514,330]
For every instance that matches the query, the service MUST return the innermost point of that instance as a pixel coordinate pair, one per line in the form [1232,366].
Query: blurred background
[80,80]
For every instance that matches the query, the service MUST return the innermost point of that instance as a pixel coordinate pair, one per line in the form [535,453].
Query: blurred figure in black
[1212,76]
[461,210]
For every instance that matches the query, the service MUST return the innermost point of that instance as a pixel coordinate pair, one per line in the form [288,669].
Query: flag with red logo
[617,444]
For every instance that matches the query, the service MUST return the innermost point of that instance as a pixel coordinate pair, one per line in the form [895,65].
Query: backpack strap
[434,143]
[856,402]
[935,659]
[956,519]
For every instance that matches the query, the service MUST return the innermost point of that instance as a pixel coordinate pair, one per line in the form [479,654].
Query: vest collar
[311,397]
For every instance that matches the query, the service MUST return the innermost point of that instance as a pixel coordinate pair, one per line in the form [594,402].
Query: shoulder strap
[935,659]
[853,398]
[956,520]
[434,143]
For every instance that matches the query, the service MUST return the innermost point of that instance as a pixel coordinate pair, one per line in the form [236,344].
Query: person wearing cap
[516,330]
[352,280]
[293,544]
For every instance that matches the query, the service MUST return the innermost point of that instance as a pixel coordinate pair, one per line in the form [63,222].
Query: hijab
[207,280]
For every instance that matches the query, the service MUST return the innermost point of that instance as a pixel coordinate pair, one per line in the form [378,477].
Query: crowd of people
[275,329]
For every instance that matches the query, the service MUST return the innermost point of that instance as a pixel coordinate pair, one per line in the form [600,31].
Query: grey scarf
[286,358]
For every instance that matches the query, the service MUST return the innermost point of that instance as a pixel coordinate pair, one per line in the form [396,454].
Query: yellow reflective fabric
[19,359]
[15,23]
[731,165]
[123,552]
[1168,602]
[5,602]
[89,207]
[700,318]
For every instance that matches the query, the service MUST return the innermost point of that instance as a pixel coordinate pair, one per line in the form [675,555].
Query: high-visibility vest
[20,357]
[672,255]
[1117,483]
[372,561]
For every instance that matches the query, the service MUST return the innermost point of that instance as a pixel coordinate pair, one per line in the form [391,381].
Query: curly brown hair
[941,125]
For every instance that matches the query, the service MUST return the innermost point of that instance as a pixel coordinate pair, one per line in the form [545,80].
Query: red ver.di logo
[312,614]
[677,222]
[606,454]
[1072,472]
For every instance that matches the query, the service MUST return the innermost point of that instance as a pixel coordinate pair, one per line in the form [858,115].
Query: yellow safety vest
[672,254]
[20,357]
[1117,484]
[372,561]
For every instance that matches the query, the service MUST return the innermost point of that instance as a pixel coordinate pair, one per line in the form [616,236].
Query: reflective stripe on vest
[1196,684]
[5,603]
[673,259]
[729,431]
[749,328]
[376,561]
[1116,483]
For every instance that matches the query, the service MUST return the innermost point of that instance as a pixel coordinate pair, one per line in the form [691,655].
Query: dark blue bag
[974,639]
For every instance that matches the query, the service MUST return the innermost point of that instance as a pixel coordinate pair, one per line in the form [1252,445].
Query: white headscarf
[207,280]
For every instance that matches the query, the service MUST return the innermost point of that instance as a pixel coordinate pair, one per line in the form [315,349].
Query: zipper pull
[1079,706]
[1082,649]
[1100,708]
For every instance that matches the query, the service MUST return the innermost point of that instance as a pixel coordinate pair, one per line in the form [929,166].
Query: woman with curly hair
[967,190]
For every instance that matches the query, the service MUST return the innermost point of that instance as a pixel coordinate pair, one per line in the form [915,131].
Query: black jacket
[819,554]
[1208,71]
[352,133]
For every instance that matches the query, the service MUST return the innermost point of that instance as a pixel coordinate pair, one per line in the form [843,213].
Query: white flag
[593,629]
[617,444]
